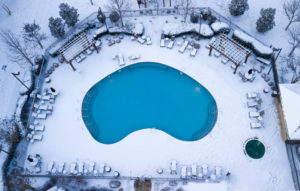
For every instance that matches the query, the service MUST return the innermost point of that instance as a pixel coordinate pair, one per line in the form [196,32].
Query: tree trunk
[170,3]
[6,9]
[91,1]
[287,27]
[164,3]
[294,48]
[39,43]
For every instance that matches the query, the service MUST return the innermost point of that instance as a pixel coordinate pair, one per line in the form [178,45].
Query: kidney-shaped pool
[148,95]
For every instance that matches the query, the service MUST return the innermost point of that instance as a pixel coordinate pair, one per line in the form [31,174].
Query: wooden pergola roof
[229,48]
[75,47]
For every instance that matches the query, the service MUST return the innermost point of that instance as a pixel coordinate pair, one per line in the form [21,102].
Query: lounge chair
[149,42]
[80,167]
[50,167]
[194,171]
[252,95]
[253,114]
[39,128]
[217,54]
[140,40]
[183,47]
[171,44]
[218,171]
[134,57]
[224,60]
[38,137]
[252,103]
[73,168]
[121,60]
[61,167]
[91,167]
[162,42]
[205,169]
[183,172]
[101,169]
[41,116]
[194,52]
[173,167]
[255,125]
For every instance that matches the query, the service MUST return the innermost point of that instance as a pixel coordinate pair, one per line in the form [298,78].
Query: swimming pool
[148,95]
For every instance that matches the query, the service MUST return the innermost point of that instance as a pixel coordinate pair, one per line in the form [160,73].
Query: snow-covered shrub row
[20,104]
[88,23]
[176,29]
[220,27]
[257,47]
[135,29]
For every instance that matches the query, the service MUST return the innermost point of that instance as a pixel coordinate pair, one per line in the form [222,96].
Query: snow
[191,186]
[269,173]
[65,129]
[290,98]
[28,81]
[178,28]
[219,26]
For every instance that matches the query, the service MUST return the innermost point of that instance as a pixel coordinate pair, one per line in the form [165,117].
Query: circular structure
[148,95]
[255,149]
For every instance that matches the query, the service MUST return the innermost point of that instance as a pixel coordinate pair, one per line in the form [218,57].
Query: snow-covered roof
[290,98]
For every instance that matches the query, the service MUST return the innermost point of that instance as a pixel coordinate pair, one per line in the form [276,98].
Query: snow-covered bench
[264,61]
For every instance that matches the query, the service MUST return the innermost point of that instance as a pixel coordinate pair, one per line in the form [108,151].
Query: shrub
[194,17]
[114,16]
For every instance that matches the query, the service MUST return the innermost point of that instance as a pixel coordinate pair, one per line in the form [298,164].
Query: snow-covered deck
[66,139]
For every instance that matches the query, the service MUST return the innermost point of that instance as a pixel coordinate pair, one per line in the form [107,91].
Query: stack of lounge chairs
[255,113]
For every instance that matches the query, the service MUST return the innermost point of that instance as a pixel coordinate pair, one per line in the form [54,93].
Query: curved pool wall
[148,95]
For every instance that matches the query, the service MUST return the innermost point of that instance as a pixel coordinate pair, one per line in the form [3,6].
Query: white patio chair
[224,60]
[182,49]
[217,54]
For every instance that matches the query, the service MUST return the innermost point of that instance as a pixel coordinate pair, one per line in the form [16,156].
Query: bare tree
[119,6]
[6,9]
[9,132]
[15,180]
[31,33]
[91,1]
[293,63]
[17,50]
[292,11]
[186,4]
[294,34]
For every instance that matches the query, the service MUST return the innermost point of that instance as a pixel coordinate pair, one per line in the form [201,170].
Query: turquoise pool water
[148,95]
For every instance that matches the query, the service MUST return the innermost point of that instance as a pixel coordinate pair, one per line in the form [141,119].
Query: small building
[289,112]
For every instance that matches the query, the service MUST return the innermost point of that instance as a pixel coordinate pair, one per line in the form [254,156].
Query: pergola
[75,47]
[139,2]
[229,48]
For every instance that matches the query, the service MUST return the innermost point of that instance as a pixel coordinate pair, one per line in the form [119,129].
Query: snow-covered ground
[223,146]
[142,152]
